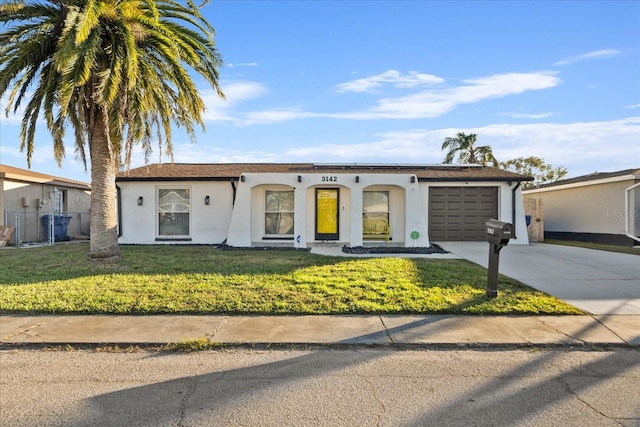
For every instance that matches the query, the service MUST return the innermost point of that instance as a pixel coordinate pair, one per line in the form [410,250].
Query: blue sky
[387,81]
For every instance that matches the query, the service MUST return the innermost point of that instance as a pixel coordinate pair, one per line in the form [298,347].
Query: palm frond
[131,59]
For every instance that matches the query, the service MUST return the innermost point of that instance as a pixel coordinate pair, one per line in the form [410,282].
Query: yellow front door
[327,214]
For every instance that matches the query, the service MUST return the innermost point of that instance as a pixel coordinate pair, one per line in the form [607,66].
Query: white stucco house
[305,204]
[600,207]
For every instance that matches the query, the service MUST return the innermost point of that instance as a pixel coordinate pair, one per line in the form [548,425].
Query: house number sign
[326,178]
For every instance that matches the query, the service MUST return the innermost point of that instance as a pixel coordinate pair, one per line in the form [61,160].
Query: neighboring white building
[303,204]
[600,207]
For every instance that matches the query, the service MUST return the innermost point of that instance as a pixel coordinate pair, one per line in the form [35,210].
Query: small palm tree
[114,71]
[464,147]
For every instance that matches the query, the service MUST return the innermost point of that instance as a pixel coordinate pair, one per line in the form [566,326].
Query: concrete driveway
[598,282]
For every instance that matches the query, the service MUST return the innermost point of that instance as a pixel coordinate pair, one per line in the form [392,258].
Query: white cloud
[202,153]
[424,104]
[390,77]
[413,146]
[242,64]
[6,151]
[573,143]
[14,118]
[581,147]
[596,54]
[632,106]
[42,160]
[274,116]
[217,109]
[434,103]
[529,116]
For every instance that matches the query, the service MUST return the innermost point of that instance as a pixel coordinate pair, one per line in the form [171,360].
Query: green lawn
[201,279]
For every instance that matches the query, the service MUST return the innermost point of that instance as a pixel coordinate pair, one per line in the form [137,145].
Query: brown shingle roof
[227,171]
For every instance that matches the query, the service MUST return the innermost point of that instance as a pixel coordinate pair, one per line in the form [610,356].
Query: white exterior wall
[505,209]
[405,205]
[208,224]
[258,206]
[2,200]
[242,223]
[588,207]
[346,222]
[505,212]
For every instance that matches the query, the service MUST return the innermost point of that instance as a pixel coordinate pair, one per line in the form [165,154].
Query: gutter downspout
[235,190]
[513,208]
[627,211]
[119,204]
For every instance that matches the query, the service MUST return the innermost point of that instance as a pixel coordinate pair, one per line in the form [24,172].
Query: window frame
[377,214]
[159,211]
[279,236]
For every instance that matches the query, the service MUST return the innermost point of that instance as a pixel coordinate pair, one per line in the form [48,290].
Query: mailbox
[498,235]
[499,232]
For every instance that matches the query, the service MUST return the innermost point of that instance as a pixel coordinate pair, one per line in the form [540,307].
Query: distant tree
[535,167]
[463,146]
[116,72]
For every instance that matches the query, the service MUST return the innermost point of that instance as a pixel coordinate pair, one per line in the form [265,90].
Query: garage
[459,213]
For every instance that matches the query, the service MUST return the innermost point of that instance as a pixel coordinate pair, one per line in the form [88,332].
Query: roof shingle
[218,171]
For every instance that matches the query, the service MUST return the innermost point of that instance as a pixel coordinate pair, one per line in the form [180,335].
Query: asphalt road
[358,387]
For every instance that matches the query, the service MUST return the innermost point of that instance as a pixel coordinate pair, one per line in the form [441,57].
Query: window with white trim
[278,214]
[174,206]
[375,215]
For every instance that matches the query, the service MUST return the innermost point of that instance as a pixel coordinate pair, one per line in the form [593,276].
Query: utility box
[498,235]
[499,232]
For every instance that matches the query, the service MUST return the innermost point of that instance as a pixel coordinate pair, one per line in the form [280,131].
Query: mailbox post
[498,235]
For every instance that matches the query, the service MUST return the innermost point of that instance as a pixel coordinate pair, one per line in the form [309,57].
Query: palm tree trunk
[104,233]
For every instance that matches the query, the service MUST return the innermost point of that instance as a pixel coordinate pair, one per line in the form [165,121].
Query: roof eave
[170,178]
[476,179]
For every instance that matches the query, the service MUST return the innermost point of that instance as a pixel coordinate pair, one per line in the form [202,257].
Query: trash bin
[60,223]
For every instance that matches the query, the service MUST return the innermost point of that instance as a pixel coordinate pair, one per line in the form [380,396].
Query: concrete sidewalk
[392,330]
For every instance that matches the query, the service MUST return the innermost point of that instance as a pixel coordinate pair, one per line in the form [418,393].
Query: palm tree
[463,146]
[114,70]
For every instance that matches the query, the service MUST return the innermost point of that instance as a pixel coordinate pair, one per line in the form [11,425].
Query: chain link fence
[43,227]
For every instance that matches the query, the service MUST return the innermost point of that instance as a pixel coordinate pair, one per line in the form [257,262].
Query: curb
[299,346]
